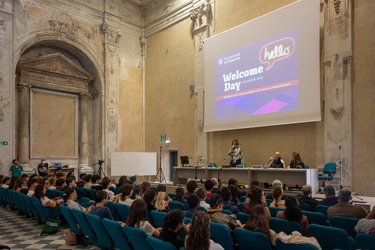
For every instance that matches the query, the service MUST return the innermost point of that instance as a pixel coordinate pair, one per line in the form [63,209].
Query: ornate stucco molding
[112,35]
[201,17]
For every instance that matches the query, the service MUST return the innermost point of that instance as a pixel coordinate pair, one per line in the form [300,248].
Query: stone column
[201,17]
[84,138]
[24,124]
[338,60]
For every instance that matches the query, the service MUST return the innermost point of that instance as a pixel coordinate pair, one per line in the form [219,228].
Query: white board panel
[133,163]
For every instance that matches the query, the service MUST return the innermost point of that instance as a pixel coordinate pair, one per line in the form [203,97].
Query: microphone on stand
[269,162]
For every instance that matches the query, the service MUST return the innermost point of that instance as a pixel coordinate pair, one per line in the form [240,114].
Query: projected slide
[259,78]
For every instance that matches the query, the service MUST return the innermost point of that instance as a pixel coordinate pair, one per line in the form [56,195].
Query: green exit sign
[3,143]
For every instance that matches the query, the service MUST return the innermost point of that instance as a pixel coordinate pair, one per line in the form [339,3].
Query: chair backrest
[322,209]
[220,234]
[50,194]
[249,240]
[345,223]
[123,211]
[305,207]
[176,205]
[85,225]
[92,193]
[203,209]
[100,231]
[72,221]
[224,211]
[79,191]
[274,210]
[286,226]
[365,241]
[243,217]
[329,168]
[316,218]
[158,244]
[113,189]
[284,246]
[113,209]
[158,218]
[329,237]
[243,198]
[137,237]
[117,234]
[171,195]
[39,207]
[241,207]
[86,192]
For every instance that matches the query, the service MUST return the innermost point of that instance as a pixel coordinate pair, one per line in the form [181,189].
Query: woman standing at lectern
[235,153]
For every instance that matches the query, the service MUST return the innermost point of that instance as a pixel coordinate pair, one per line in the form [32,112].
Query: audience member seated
[13,183]
[234,182]
[259,221]
[121,181]
[70,197]
[136,186]
[50,183]
[216,189]
[306,197]
[367,224]
[256,198]
[95,180]
[209,185]
[201,193]
[32,183]
[40,193]
[345,208]
[6,182]
[277,192]
[275,183]
[88,182]
[100,209]
[190,187]
[293,213]
[22,185]
[60,184]
[113,181]
[173,222]
[161,188]
[81,182]
[149,198]
[105,185]
[296,161]
[144,188]
[137,218]
[162,201]
[193,203]
[198,236]
[70,182]
[227,196]
[60,175]
[126,193]
[330,196]
[230,220]
[180,195]
[234,193]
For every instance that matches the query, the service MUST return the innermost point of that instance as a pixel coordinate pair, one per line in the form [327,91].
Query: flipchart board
[133,163]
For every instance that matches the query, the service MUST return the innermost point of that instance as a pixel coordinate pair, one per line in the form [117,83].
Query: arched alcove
[59,103]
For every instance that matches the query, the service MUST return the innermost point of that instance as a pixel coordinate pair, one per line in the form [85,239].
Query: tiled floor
[19,232]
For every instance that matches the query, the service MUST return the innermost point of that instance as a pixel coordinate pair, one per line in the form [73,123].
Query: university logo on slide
[263,79]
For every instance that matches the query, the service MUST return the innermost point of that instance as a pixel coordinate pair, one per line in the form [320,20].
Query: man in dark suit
[330,194]
[306,197]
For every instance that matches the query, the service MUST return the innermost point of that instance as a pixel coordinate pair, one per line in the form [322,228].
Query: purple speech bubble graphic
[276,51]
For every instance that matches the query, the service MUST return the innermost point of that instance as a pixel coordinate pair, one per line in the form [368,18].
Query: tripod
[100,169]
[160,170]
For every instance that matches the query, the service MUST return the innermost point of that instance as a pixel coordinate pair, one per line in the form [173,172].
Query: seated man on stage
[277,162]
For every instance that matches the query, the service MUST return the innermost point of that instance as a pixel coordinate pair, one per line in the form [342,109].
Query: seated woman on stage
[162,201]
[137,218]
[40,193]
[257,197]
[230,220]
[294,213]
[277,192]
[199,234]
[296,161]
[259,221]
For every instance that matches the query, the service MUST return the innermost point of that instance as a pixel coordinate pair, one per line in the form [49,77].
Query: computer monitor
[184,160]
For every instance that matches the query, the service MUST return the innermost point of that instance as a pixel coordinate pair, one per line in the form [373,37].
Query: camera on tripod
[101,162]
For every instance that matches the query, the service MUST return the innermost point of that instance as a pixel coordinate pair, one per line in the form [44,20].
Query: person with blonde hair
[50,183]
[162,201]
[277,192]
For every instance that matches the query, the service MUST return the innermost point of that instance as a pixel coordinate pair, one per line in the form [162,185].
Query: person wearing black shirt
[330,194]
[296,161]
[306,197]
[277,162]
[173,221]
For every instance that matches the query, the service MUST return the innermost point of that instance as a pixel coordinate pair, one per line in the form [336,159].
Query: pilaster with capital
[23,124]
[338,80]
[202,18]
[84,138]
